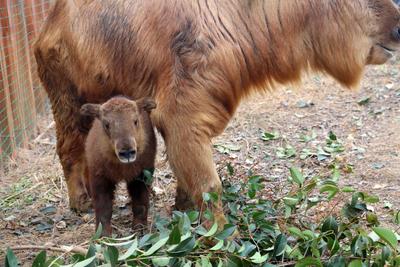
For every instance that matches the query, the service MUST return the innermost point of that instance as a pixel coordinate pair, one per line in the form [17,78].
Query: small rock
[157,190]
[389,86]
[48,210]
[61,225]
[87,218]
[10,218]
[378,165]
[36,220]
[379,186]
[43,227]
[17,233]
[304,104]
[57,218]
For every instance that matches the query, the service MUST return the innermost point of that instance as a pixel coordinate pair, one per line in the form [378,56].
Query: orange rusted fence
[21,95]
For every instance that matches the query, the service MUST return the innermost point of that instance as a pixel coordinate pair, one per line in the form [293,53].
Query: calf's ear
[91,110]
[146,104]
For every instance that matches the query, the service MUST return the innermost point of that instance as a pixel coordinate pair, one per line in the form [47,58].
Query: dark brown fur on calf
[120,145]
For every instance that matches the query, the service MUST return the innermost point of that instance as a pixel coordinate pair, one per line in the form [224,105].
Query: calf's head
[122,122]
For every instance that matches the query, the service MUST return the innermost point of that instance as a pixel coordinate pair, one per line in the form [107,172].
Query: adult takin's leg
[71,128]
[183,200]
[190,156]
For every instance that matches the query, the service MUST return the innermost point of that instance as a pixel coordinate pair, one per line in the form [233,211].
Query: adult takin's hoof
[183,201]
[80,203]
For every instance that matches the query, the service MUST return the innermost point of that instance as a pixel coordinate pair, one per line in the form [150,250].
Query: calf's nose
[127,154]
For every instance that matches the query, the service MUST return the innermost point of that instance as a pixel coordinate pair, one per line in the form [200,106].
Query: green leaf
[161,261]
[297,176]
[280,244]
[332,136]
[11,260]
[330,188]
[337,262]
[148,176]
[174,236]
[234,261]
[364,100]
[203,262]
[371,199]
[348,189]
[212,231]
[296,232]
[355,263]
[193,216]
[257,258]
[156,246]
[397,217]
[359,245]
[40,260]
[309,262]
[90,253]
[131,250]
[125,238]
[333,245]
[372,218]
[330,224]
[121,244]
[184,224]
[387,235]
[111,254]
[211,196]
[218,246]
[246,249]
[386,253]
[85,262]
[183,248]
[266,136]
[228,230]
[291,201]
[231,171]
[98,233]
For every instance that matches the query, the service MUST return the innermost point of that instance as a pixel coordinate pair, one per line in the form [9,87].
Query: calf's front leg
[102,192]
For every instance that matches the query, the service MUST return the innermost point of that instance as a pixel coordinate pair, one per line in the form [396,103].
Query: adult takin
[120,145]
[198,59]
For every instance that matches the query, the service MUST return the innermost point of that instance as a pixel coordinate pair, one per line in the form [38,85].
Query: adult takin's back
[120,145]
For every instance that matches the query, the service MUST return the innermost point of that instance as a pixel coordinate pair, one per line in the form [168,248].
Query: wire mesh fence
[21,96]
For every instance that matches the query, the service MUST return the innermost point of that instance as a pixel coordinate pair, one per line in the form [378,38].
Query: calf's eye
[136,122]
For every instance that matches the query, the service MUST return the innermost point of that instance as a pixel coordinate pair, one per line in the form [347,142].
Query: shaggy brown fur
[119,146]
[197,59]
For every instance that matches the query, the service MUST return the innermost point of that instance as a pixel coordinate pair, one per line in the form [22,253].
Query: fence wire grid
[22,98]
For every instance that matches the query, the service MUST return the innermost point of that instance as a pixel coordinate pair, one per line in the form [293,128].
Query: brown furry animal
[119,146]
[197,59]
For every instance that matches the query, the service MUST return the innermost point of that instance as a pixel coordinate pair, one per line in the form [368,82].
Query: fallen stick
[63,249]
[51,125]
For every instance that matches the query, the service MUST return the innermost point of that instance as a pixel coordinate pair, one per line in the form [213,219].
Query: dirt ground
[33,197]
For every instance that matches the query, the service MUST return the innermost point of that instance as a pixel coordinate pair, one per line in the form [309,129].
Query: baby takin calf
[120,145]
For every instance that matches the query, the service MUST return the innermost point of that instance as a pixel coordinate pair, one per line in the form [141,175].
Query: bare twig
[37,139]
[62,249]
